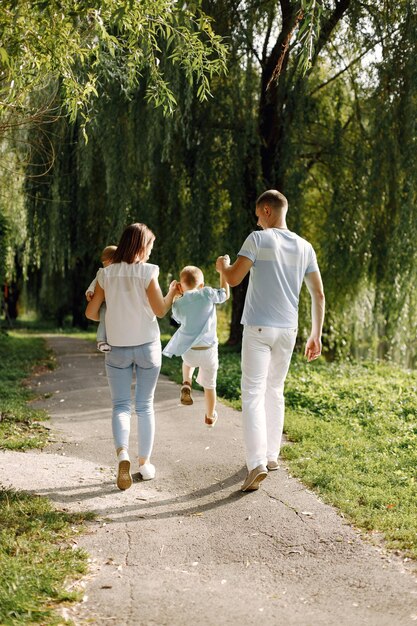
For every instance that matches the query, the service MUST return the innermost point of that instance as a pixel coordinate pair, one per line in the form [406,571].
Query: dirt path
[188,547]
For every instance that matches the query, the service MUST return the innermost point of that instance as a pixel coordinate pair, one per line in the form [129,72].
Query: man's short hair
[275,199]
[192,276]
[107,254]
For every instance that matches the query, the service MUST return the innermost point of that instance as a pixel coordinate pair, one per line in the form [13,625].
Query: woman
[133,299]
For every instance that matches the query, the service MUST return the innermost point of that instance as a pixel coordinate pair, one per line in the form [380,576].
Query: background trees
[338,140]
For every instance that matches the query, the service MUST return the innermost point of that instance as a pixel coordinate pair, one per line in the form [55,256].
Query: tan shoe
[185,397]
[254,478]
[272,466]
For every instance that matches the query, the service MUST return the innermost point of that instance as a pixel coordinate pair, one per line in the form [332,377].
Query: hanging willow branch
[308,33]
[278,67]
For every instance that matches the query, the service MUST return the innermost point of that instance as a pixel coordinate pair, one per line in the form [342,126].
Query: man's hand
[222,262]
[89,295]
[313,348]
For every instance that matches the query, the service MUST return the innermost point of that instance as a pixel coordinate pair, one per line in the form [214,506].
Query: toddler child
[196,338]
[106,259]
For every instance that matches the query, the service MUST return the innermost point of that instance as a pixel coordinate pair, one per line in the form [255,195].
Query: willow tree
[319,151]
[57,59]
[75,46]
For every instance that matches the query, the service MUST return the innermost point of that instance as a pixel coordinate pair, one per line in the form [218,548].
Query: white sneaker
[147,471]
[103,346]
[124,477]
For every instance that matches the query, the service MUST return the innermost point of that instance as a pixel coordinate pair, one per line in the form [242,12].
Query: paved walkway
[188,547]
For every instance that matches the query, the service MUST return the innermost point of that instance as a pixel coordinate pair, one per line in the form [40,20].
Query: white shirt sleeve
[92,285]
[250,247]
[100,277]
[217,296]
[312,263]
[152,272]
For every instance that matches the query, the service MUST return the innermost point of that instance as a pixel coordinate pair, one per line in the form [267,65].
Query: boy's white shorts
[207,362]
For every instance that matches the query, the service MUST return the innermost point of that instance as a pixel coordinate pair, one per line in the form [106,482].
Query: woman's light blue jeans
[121,362]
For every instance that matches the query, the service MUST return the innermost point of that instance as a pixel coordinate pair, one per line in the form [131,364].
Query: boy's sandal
[210,421]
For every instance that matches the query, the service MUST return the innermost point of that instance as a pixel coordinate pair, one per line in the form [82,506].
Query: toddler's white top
[281,259]
[92,286]
[196,313]
[130,320]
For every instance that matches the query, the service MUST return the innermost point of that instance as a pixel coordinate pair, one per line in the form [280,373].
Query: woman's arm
[92,311]
[160,305]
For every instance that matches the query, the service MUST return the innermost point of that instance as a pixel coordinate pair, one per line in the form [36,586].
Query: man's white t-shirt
[280,259]
[130,320]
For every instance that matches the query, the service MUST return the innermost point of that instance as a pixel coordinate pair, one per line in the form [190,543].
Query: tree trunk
[274,118]
[239,295]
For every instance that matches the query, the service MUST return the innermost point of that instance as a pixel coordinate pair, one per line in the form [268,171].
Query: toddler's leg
[101,337]
[210,400]
[187,373]
[187,377]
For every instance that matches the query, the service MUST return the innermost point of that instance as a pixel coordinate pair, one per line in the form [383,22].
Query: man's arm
[315,287]
[234,274]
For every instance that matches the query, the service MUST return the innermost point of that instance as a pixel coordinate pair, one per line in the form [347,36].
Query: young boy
[196,339]
[106,259]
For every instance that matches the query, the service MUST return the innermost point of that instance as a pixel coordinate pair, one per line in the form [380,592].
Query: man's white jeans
[266,357]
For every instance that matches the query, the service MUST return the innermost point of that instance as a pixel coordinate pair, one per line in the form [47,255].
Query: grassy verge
[354,428]
[35,558]
[353,438]
[19,422]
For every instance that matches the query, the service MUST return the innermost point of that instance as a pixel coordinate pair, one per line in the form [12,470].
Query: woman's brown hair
[133,244]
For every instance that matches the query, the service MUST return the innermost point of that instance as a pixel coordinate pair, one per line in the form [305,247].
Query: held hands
[222,262]
[313,348]
[175,289]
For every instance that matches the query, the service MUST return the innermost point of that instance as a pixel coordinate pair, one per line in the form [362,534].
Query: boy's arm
[224,285]
[91,289]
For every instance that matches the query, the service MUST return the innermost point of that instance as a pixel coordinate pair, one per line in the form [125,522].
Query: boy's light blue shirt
[280,259]
[196,312]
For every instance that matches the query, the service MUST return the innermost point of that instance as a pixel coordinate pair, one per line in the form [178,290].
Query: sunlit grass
[36,559]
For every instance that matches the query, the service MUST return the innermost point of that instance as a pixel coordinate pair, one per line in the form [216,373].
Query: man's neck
[279,224]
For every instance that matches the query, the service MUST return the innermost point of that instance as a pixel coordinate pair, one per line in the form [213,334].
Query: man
[278,261]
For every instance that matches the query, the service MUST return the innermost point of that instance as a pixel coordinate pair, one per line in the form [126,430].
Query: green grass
[36,560]
[19,422]
[352,430]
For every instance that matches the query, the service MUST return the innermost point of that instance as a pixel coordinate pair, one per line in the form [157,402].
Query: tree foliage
[319,101]
[77,47]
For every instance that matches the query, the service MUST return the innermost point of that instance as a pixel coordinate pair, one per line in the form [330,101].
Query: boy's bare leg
[187,379]
[210,399]
[187,373]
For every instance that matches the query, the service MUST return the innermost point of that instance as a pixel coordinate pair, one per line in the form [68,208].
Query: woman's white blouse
[130,320]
